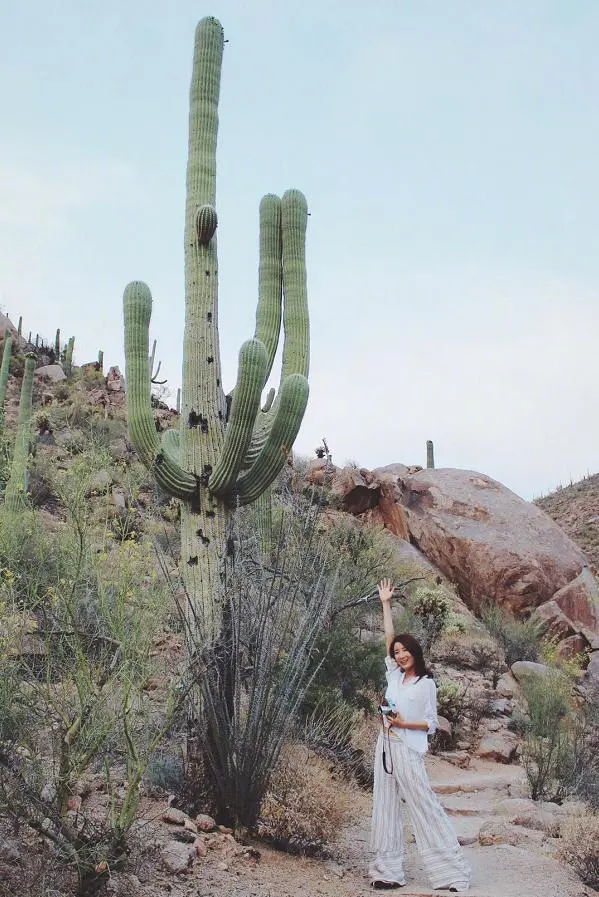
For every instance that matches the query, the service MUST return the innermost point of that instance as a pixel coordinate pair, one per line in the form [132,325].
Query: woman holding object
[409,716]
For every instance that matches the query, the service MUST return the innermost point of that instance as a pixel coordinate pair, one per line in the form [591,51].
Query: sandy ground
[470,796]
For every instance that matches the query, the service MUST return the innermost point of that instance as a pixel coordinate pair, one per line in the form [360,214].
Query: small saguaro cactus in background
[221,457]
[4,370]
[20,325]
[100,360]
[15,497]
[57,344]
[430,453]
[68,356]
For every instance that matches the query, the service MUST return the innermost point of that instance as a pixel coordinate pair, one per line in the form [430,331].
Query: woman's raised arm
[386,589]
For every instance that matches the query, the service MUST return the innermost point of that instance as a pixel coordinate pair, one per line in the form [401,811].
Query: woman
[399,771]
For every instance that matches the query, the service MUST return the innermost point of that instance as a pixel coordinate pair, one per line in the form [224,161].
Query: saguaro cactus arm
[137,307]
[281,436]
[253,362]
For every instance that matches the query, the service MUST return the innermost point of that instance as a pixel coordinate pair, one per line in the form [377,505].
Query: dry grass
[580,847]
[305,807]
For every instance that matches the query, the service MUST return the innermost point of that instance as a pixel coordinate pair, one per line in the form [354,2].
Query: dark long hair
[414,647]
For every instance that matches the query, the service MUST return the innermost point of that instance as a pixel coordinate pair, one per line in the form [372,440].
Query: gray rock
[528,669]
[177,857]
[53,372]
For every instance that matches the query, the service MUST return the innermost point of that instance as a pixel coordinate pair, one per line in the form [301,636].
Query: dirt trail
[471,797]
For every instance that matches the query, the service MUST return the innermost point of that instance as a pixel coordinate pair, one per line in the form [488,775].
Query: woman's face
[402,656]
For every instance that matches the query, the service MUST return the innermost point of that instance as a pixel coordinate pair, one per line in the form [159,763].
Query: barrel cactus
[227,450]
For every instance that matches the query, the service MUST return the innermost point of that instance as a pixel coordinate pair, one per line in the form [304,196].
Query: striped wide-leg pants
[436,840]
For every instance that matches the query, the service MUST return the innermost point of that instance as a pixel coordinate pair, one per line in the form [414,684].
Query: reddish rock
[354,491]
[320,470]
[205,823]
[499,746]
[494,545]
[174,817]
[572,646]
[579,602]
[201,849]
[390,508]
[115,381]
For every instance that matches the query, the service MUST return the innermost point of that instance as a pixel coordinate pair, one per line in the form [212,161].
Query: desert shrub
[547,751]
[431,608]
[79,703]
[165,772]
[304,808]
[519,639]
[580,847]
[476,704]
[450,700]
[469,650]
[329,731]
[347,659]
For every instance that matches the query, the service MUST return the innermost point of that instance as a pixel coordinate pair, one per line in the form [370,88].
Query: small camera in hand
[386,710]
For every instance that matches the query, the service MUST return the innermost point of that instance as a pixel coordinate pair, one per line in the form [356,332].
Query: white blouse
[416,701]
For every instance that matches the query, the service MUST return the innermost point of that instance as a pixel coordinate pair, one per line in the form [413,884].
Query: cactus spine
[430,453]
[15,497]
[216,461]
[4,370]
[68,357]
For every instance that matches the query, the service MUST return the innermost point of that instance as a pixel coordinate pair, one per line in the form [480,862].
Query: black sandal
[380,884]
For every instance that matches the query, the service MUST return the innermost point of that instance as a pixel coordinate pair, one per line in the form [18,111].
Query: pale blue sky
[448,151]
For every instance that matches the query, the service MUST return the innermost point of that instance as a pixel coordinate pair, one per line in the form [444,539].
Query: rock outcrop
[494,546]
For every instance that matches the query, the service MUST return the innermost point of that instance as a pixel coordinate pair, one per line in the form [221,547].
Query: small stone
[174,817]
[205,823]
[177,857]
[48,793]
[222,867]
[201,849]
[492,833]
[224,830]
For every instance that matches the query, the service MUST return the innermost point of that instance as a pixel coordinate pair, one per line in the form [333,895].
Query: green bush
[450,700]
[77,628]
[519,639]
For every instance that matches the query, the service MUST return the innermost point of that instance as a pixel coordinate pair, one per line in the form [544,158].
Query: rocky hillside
[575,509]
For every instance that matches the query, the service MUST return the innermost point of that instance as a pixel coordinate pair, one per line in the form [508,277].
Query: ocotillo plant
[430,453]
[15,497]
[68,357]
[221,456]
[4,370]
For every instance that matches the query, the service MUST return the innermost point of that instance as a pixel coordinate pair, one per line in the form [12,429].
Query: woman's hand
[396,719]
[386,589]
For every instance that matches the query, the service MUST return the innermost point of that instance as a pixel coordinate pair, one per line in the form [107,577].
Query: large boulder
[574,610]
[490,542]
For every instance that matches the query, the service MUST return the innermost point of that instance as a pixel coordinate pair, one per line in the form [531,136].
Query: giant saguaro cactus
[221,457]
[15,496]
